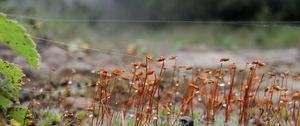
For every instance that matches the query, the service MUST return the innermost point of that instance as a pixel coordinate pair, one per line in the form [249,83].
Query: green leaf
[13,80]
[18,113]
[11,72]
[14,36]
[8,90]
[5,103]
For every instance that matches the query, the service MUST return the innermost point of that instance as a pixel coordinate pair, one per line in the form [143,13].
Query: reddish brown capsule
[242,70]
[160,59]
[139,73]
[297,77]
[276,87]
[189,68]
[255,62]
[218,77]
[125,78]
[117,72]
[149,57]
[224,59]
[150,72]
[135,64]
[261,64]
[169,93]
[272,73]
[207,70]
[106,74]
[210,81]
[268,89]
[296,96]
[173,57]
[143,65]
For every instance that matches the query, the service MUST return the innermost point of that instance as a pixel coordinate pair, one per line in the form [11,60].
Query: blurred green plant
[50,118]
[14,36]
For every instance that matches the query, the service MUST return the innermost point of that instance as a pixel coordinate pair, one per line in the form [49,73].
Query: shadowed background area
[198,31]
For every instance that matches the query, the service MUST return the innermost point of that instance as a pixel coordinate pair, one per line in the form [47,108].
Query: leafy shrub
[14,36]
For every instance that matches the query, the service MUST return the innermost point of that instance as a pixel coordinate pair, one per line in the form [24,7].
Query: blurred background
[200,32]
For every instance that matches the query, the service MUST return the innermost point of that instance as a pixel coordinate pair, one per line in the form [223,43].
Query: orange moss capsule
[272,73]
[139,73]
[125,78]
[208,70]
[297,77]
[117,72]
[149,57]
[225,59]
[276,87]
[143,65]
[150,72]
[169,93]
[210,81]
[173,57]
[268,89]
[135,64]
[296,96]
[160,59]
[242,70]
[255,61]
[189,68]
[261,64]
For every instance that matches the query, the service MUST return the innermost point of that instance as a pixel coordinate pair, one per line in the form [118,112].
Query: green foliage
[51,118]
[11,72]
[5,103]
[13,79]
[18,113]
[14,36]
